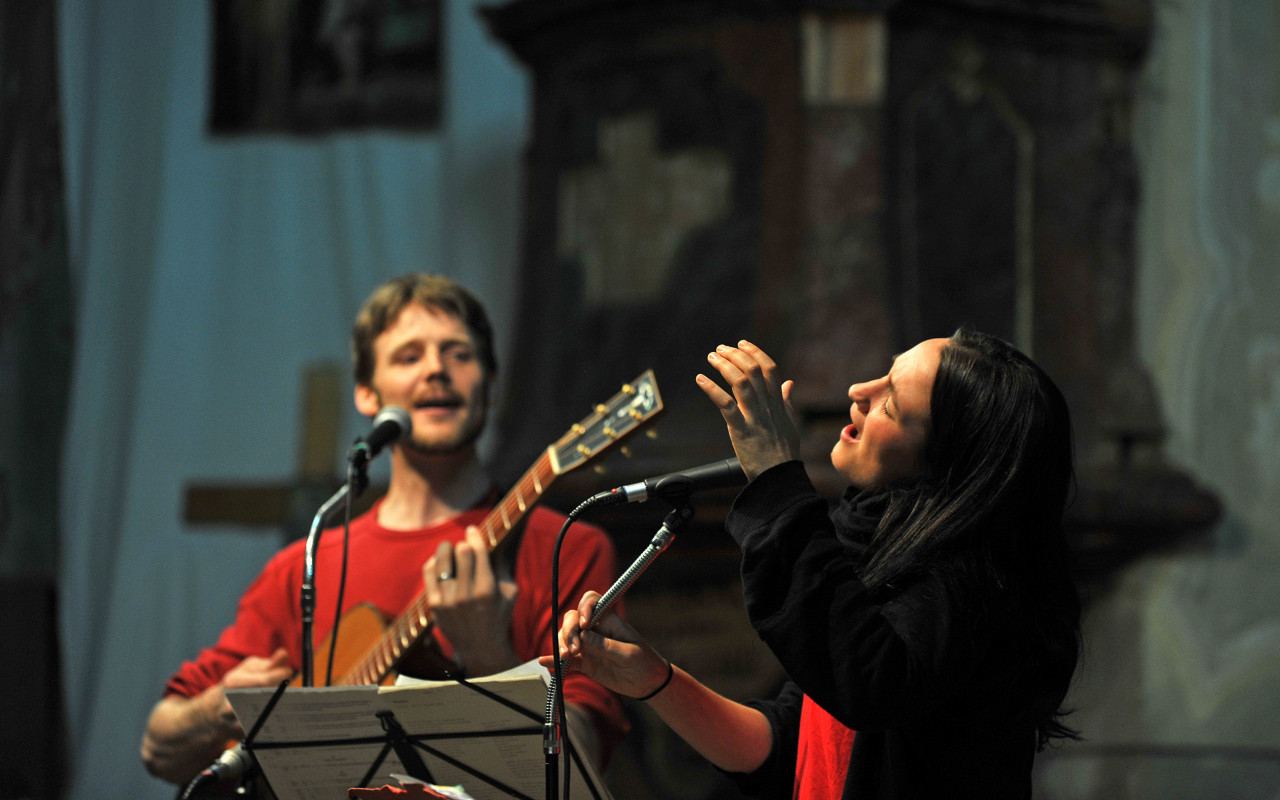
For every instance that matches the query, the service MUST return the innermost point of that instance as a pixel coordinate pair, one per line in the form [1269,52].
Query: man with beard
[423,343]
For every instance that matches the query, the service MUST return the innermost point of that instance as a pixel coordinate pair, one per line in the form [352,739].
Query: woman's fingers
[570,633]
[757,365]
[752,377]
[761,372]
[756,408]
[587,605]
[722,399]
[735,370]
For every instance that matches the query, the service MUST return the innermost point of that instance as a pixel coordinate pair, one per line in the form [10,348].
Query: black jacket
[936,689]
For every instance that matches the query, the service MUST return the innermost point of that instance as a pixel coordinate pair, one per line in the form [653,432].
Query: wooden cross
[287,507]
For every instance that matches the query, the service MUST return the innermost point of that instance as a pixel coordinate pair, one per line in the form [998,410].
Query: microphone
[230,767]
[232,764]
[392,424]
[716,475]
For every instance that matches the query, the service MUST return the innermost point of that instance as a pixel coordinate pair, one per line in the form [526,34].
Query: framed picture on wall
[312,66]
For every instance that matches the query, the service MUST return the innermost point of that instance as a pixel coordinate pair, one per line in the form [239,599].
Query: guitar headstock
[610,423]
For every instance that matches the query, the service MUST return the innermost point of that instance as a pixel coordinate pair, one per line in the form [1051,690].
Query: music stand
[483,734]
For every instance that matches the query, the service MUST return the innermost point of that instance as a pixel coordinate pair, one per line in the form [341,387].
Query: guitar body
[360,631]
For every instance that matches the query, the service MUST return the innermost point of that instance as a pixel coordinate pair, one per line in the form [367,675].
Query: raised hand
[758,413]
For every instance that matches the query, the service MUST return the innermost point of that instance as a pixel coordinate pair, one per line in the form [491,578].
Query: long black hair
[986,511]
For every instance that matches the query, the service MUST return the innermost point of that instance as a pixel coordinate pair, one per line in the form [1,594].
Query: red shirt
[822,760]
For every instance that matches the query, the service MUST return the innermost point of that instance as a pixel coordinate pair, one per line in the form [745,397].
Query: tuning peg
[625,450]
[600,469]
[651,433]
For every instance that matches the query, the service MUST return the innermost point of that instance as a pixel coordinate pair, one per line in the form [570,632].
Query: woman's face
[890,420]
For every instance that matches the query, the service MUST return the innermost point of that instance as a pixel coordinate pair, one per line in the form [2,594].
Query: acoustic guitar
[369,651]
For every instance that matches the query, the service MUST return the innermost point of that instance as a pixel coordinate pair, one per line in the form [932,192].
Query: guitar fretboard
[416,619]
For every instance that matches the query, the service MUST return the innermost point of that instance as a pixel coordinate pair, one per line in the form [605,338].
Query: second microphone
[674,485]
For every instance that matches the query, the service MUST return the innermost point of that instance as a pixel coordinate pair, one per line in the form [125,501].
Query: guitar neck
[416,618]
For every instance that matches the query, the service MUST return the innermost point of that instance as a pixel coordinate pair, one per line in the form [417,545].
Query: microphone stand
[357,480]
[673,524]
[666,534]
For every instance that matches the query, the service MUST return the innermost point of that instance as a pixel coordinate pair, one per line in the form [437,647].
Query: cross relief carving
[624,219]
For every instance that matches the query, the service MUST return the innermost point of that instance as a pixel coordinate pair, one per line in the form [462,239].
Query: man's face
[425,362]
[890,420]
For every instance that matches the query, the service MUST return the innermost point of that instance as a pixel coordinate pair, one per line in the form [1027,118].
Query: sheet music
[309,715]
[299,766]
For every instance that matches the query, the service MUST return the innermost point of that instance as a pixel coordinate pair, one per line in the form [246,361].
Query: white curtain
[208,274]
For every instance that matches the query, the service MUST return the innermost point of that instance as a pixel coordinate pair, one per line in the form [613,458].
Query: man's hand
[471,606]
[761,421]
[255,671]
[185,734]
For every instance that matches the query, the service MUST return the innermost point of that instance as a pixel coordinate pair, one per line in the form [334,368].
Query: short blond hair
[383,308]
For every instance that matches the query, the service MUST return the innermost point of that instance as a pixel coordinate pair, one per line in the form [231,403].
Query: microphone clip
[360,453]
[358,468]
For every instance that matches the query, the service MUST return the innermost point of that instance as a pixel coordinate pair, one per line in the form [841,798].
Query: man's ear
[368,402]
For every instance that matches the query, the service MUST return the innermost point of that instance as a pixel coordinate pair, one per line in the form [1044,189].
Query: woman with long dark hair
[929,625]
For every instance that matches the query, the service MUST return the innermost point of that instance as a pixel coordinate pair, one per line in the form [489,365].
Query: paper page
[531,667]
[512,752]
